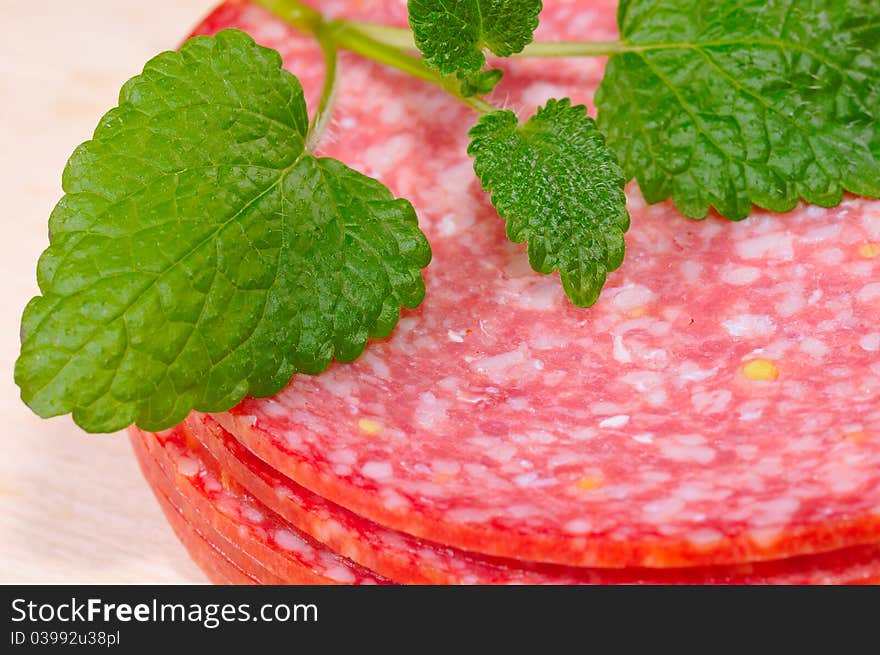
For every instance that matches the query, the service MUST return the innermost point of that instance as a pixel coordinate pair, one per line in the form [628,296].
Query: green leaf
[559,188]
[735,102]
[480,83]
[452,34]
[201,253]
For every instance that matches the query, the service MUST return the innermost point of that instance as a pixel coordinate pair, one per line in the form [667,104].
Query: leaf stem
[350,37]
[402,38]
[572,49]
[298,14]
[397,37]
[325,104]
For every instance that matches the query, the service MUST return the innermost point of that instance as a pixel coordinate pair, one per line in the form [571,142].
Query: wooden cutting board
[73,507]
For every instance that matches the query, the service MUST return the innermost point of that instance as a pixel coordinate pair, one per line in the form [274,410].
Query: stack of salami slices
[714,418]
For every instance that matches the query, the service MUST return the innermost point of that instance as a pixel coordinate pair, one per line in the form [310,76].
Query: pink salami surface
[219,568]
[500,419]
[405,559]
[271,543]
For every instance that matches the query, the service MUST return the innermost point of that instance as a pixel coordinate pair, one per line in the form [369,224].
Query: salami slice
[216,566]
[277,546]
[219,568]
[405,559]
[392,554]
[718,404]
[162,483]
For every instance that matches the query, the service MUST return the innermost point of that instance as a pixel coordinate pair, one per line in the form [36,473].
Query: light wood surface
[73,507]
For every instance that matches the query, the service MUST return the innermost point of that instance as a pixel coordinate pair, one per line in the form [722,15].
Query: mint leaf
[735,102]
[201,253]
[559,188]
[452,34]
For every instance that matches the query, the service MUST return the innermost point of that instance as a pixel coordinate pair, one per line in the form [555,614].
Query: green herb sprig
[201,252]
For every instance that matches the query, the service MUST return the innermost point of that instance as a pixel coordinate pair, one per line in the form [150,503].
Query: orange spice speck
[760,369]
[589,482]
[869,250]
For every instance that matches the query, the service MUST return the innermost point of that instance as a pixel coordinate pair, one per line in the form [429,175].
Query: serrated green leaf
[735,102]
[452,34]
[201,254]
[559,188]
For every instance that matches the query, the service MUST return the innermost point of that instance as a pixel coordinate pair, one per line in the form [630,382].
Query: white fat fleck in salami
[870,342]
[498,374]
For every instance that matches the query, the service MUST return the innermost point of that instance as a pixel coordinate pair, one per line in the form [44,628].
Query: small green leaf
[201,253]
[724,104]
[480,83]
[559,188]
[452,34]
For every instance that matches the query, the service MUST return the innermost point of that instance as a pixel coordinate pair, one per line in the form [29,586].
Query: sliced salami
[279,548]
[718,404]
[163,484]
[405,559]
[395,555]
[216,566]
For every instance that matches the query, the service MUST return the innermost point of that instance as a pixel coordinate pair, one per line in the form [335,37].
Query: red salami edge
[241,464]
[216,566]
[301,562]
[162,482]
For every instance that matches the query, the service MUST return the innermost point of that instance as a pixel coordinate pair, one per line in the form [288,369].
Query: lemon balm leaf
[559,188]
[201,253]
[725,104]
[452,34]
